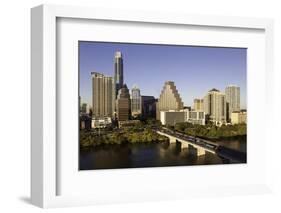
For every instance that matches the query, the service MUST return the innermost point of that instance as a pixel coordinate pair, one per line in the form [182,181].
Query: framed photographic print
[149,106]
[177,117]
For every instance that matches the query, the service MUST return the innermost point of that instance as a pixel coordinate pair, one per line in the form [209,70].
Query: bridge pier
[173,140]
[197,150]
[184,145]
[200,152]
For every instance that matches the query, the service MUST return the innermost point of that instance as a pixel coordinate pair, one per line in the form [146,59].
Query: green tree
[212,133]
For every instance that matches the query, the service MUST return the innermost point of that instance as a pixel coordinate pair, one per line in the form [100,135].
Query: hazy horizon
[195,70]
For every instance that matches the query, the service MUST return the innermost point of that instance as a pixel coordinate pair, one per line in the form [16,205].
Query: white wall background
[15,104]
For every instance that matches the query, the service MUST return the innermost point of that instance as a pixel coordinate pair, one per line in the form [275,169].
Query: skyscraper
[135,101]
[169,99]
[118,71]
[198,104]
[232,93]
[148,107]
[102,95]
[123,104]
[215,106]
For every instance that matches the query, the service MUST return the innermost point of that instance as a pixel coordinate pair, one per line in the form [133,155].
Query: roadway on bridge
[227,154]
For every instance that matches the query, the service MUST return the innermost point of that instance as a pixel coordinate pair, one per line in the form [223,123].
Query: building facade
[198,104]
[169,99]
[85,122]
[239,117]
[232,93]
[135,101]
[197,117]
[102,95]
[148,107]
[215,106]
[123,104]
[118,72]
[172,117]
[101,122]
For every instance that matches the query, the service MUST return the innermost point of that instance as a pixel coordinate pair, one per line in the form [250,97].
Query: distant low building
[128,123]
[197,117]
[85,122]
[238,117]
[101,122]
[187,107]
[172,117]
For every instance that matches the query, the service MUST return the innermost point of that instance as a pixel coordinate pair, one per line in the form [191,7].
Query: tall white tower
[118,72]
[215,106]
[232,93]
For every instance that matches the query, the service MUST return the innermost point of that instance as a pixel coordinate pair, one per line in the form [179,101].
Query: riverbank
[128,135]
[212,132]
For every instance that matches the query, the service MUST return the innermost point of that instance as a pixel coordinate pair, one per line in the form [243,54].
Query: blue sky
[195,70]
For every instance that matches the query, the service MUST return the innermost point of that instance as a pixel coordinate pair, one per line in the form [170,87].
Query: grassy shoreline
[91,139]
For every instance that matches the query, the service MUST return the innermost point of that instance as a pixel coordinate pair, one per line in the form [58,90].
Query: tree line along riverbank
[126,135]
[211,131]
[143,133]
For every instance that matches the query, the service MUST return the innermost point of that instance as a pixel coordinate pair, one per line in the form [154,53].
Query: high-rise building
[169,99]
[84,108]
[102,95]
[148,106]
[135,101]
[198,104]
[118,72]
[232,93]
[123,104]
[215,106]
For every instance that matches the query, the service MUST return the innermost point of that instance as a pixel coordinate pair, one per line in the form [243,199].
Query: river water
[141,155]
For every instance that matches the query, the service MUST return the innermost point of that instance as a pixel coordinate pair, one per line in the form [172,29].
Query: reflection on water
[142,155]
[237,144]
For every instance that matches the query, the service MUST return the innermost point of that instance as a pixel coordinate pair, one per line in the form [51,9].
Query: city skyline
[195,70]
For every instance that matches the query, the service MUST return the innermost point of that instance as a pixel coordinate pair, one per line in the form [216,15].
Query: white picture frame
[44,148]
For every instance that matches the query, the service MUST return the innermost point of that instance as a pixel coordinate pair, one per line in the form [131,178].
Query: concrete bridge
[188,142]
[201,146]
